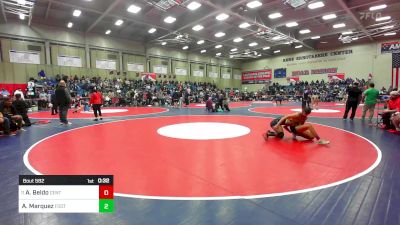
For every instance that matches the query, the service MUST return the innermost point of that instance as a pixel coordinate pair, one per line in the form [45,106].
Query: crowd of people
[61,92]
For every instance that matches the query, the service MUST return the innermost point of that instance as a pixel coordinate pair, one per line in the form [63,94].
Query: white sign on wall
[73,61]
[180,71]
[213,74]
[160,69]
[106,64]
[198,73]
[226,76]
[237,77]
[135,67]
[24,57]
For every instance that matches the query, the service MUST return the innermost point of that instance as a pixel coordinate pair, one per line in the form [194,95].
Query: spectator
[396,116]
[54,105]
[21,108]
[5,124]
[18,91]
[5,93]
[63,99]
[96,100]
[8,110]
[370,97]
[391,109]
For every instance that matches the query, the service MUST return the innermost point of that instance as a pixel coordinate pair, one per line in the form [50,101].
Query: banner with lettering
[256,77]
[336,76]
[314,71]
[390,47]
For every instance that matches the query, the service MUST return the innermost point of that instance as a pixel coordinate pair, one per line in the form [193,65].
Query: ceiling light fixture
[108,32]
[277,51]
[390,34]
[347,32]
[222,17]
[316,37]
[218,54]
[218,46]
[383,18]
[133,9]
[200,42]
[219,34]
[169,19]
[185,47]
[234,49]
[254,4]
[253,44]
[275,15]
[164,43]
[21,16]
[266,48]
[203,51]
[387,27]
[355,38]
[119,22]
[152,30]
[77,13]
[276,38]
[298,46]
[69,25]
[21,2]
[193,6]
[292,24]
[305,31]
[316,5]
[378,7]
[198,28]
[329,17]
[238,39]
[339,25]
[244,25]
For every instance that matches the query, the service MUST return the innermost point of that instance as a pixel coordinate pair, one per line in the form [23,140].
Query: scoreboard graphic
[66,194]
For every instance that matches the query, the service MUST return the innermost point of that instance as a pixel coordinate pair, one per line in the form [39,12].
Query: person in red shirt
[396,116]
[96,100]
[392,105]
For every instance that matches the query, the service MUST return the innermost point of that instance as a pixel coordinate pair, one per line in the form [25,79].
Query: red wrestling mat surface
[107,112]
[192,164]
[231,105]
[321,112]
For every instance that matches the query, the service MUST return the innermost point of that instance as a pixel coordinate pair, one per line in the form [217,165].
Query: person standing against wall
[63,99]
[96,100]
[370,97]
[353,99]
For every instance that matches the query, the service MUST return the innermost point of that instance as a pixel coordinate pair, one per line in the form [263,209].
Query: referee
[353,99]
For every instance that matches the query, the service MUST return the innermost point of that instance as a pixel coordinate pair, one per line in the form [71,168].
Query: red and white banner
[256,77]
[149,76]
[293,79]
[336,76]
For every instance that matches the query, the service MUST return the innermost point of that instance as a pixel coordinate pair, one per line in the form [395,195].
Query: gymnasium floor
[186,166]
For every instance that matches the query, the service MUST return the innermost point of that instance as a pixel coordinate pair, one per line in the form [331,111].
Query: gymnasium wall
[363,60]
[91,47]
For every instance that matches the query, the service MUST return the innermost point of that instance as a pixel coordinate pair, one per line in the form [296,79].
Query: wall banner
[390,47]
[256,77]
